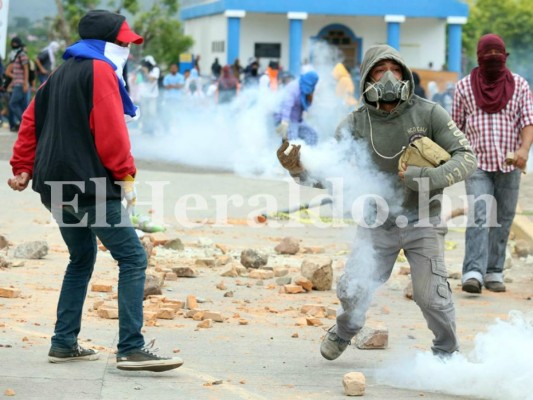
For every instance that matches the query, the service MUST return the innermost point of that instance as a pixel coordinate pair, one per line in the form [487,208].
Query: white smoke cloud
[499,367]
[239,137]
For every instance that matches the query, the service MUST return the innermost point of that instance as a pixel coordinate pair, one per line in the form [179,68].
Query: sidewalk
[261,360]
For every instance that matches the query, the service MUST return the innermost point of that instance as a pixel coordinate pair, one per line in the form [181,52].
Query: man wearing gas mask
[390,120]
[495,108]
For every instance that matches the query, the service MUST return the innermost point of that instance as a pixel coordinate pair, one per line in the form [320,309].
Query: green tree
[162,32]
[158,24]
[511,19]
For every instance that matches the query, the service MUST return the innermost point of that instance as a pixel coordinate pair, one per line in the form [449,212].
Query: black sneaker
[145,359]
[78,354]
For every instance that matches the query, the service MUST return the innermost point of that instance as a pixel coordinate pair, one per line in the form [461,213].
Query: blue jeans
[126,248]
[17,104]
[489,223]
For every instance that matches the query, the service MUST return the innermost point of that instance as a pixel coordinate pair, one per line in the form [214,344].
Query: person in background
[237,69]
[46,61]
[227,86]
[173,84]
[269,80]
[216,68]
[419,89]
[19,73]
[78,155]
[390,118]
[297,98]
[149,93]
[345,88]
[495,108]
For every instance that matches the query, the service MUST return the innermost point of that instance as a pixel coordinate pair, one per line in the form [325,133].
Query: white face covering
[118,55]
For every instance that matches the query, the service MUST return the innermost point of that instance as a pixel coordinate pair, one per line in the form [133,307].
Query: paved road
[261,360]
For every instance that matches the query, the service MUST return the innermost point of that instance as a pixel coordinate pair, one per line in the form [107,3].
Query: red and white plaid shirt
[18,68]
[493,135]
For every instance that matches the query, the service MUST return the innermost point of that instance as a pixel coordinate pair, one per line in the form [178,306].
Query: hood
[340,71]
[378,53]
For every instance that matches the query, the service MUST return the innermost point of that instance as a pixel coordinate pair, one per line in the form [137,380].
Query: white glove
[130,194]
[282,129]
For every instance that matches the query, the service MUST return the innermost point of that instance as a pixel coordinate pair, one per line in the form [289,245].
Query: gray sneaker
[78,354]
[332,346]
[145,359]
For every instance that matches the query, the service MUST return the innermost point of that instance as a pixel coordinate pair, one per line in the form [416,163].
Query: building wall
[205,31]
[422,40]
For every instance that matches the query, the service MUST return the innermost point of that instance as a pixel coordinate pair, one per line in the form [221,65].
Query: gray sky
[33,9]
[38,9]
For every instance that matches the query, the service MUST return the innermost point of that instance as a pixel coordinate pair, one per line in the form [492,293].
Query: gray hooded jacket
[390,132]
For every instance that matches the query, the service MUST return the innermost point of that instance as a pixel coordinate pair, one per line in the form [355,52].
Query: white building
[285,29]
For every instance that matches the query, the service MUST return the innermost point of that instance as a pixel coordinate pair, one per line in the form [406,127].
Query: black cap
[18,41]
[100,24]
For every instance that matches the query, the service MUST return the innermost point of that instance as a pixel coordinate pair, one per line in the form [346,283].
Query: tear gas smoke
[499,367]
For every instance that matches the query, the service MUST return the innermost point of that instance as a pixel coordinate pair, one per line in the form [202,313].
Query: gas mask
[387,90]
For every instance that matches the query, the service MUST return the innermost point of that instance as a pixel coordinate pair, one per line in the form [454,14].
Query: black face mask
[15,47]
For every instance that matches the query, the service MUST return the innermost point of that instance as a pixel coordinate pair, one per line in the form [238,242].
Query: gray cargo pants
[370,264]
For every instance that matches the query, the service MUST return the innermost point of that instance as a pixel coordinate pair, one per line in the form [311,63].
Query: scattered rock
[261,274]
[166,313]
[101,287]
[4,263]
[283,280]
[214,316]
[295,335]
[148,246]
[221,286]
[174,244]
[9,292]
[192,304]
[372,336]
[230,273]
[314,250]
[108,312]
[9,392]
[206,323]
[354,384]
[223,260]
[404,270]
[185,272]
[312,321]
[222,248]
[313,310]
[293,289]
[152,286]
[171,276]
[522,248]
[159,238]
[331,313]
[319,272]
[251,258]
[304,283]
[454,275]
[228,294]
[288,245]
[408,291]
[205,262]
[3,242]
[280,271]
[32,250]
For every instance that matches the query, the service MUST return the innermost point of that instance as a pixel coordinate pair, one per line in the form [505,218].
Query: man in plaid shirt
[20,84]
[494,108]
